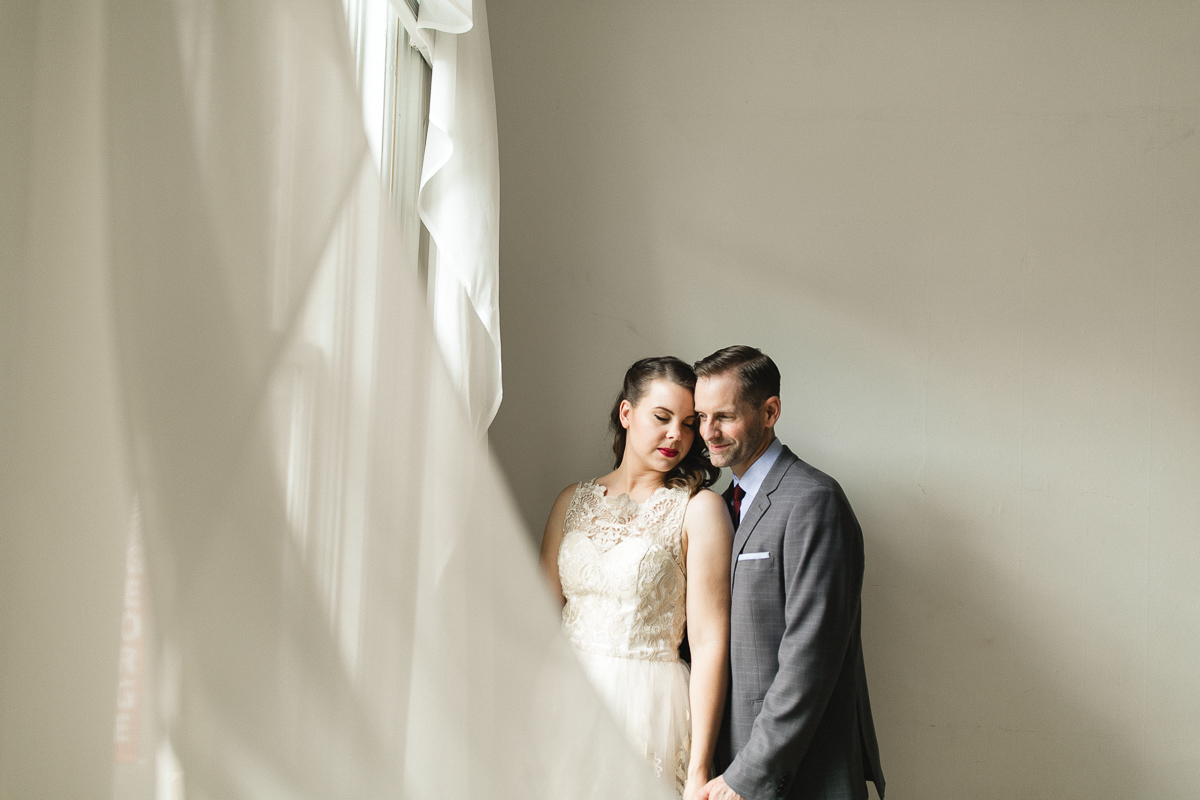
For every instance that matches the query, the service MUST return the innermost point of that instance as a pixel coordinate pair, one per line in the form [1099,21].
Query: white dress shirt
[754,476]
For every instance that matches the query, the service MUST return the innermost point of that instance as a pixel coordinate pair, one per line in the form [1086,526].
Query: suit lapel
[762,501]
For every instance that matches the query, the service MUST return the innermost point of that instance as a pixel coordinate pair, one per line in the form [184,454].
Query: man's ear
[772,409]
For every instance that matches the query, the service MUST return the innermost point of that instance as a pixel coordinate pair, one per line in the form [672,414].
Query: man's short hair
[757,375]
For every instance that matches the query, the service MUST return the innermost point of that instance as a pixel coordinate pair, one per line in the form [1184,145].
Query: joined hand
[717,789]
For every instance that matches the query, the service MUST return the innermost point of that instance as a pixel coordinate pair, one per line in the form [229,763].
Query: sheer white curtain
[460,202]
[458,196]
[208,307]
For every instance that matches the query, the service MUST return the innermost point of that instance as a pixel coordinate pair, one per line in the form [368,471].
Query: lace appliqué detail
[622,571]
[683,755]
[683,751]
[609,520]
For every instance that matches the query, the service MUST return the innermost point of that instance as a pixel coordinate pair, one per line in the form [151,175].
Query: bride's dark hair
[695,471]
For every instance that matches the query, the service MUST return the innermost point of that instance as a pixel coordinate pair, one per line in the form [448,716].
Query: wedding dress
[622,572]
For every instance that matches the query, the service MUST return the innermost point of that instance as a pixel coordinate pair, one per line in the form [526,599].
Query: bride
[636,553]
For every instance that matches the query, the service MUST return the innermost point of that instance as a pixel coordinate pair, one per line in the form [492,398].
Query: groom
[798,720]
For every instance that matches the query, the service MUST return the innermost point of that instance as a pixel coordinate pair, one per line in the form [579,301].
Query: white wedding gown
[622,571]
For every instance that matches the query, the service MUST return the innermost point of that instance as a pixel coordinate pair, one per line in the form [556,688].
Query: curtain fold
[460,202]
[213,313]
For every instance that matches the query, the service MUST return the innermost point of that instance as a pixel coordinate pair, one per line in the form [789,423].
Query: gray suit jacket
[798,720]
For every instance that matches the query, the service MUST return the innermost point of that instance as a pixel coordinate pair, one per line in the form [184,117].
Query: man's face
[732,430]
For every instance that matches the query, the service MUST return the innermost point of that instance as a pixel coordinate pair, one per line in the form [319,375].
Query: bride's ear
[626,410]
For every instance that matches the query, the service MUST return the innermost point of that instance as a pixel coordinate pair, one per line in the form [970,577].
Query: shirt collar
[757,472]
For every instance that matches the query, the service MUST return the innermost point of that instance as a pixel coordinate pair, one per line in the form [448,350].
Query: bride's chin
[660,463]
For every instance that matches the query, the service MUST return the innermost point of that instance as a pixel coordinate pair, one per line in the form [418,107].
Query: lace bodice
[622,572]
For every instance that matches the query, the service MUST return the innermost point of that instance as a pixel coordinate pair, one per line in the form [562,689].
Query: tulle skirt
[650,701]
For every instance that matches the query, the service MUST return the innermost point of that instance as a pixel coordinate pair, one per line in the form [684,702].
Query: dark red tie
[736,505]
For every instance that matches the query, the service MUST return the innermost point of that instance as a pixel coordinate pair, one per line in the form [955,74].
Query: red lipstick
[667,452]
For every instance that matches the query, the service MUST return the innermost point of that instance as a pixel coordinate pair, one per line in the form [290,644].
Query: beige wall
[967,232]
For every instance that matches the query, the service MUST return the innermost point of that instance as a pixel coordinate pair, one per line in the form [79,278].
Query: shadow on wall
[973,699]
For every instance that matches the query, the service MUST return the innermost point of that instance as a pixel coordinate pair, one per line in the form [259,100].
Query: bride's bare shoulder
[558,515]
[565,495]
[707,502]
[563,501]
[706,522]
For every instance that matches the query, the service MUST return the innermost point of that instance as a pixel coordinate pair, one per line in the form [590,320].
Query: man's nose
[706,430]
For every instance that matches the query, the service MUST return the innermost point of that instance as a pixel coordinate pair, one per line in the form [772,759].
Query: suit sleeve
[822,575]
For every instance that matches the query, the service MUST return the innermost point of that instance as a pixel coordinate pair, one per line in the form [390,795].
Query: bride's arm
[552,538]
[709,539]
